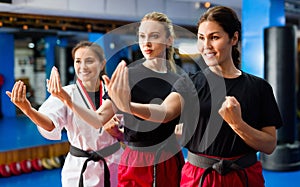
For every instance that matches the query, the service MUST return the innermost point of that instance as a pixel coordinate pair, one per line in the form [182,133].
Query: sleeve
[182,85]
[270,111]
[191,110]
[56,111]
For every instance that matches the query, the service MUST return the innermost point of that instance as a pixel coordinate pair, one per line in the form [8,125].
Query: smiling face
[214,43]
[87,64]
[152,39]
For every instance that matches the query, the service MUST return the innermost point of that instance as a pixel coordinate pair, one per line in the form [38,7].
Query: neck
[92,86]
[157,65]
[228,72]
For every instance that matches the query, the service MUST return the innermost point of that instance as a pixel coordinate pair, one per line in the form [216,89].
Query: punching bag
[280,52]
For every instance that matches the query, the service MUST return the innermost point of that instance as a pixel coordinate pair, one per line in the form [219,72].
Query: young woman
[152,156]
[53,116]
[238,112]
[249,111]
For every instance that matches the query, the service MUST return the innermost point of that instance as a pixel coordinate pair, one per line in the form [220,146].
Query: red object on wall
[1,80]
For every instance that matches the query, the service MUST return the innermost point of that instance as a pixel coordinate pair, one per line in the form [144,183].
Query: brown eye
[215,37]
[200,37]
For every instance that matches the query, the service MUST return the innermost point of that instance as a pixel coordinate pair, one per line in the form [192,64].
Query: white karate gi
[82,136]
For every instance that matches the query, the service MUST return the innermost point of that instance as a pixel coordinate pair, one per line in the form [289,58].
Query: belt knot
[223,166]
[94,156]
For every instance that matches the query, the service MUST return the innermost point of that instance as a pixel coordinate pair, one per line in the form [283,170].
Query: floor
[45,178]
[51,178]
[22,134]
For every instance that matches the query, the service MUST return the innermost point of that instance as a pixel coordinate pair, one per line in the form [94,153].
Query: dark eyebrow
[216,32]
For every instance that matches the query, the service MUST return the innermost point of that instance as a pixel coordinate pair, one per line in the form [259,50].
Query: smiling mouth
[84,73]
[209,55]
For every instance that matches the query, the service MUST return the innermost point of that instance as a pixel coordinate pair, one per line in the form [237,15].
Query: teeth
[210,54]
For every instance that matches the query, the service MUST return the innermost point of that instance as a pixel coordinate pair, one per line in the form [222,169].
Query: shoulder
[175,75]
[184,83]
[254,78]
[199,78]
[70,88]
[251,76]
[259,82]
[136,65]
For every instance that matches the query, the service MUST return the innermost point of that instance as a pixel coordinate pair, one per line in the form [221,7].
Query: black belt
[221,166]
[169,144]
[96,156]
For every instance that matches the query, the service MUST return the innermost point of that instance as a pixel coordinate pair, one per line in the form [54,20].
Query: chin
[149,57]
[211,63]
[84,79]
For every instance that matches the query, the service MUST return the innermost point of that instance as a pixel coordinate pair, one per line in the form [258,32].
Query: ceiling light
[25,27]
[207,4]
[31,45]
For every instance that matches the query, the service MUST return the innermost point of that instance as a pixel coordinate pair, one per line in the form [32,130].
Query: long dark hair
[230,22]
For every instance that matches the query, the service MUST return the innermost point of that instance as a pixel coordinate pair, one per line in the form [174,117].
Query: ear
[170,41]
[103,63]
[235,38]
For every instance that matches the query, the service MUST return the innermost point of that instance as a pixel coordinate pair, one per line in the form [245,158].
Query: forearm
[262,140]
[153,112]
[95,119]
[39,119]
[168,110]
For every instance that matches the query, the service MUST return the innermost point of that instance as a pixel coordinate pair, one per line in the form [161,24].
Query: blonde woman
[152,156]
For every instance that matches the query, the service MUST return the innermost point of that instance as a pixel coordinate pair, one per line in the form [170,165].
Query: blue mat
[45,178]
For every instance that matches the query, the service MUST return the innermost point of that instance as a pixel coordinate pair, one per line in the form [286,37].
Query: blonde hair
[162,18]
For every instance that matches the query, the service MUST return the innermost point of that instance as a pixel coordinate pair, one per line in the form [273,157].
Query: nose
[146,41]
[203,44]
[83,64]
[206,44]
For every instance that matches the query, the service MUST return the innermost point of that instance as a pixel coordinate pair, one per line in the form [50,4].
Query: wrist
[27,111]
[129,108]
[68,102]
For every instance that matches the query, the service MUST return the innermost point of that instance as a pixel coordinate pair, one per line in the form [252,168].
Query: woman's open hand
[18,96]
[118,87]
[54,86]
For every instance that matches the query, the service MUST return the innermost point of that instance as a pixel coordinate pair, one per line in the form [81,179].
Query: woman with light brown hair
[53,116]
